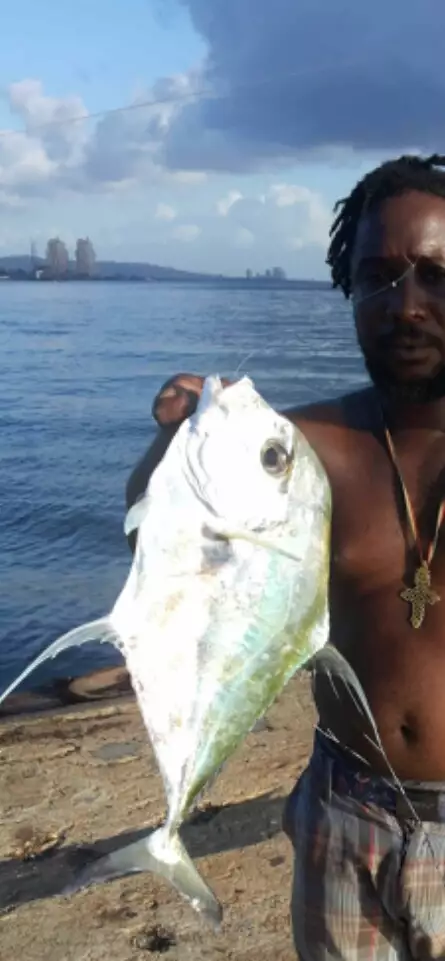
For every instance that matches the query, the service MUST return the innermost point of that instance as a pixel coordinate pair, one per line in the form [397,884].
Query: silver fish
[226,599]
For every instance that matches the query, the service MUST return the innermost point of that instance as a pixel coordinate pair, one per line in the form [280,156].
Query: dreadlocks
[392,178]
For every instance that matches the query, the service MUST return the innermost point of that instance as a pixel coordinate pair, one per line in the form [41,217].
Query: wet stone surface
[117,750]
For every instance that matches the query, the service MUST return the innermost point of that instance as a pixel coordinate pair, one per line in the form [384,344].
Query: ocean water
[81,364]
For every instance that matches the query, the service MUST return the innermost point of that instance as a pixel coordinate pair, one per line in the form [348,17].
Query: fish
[226,598]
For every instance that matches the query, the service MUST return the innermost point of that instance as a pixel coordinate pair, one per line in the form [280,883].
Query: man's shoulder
[331,425]
[345,412]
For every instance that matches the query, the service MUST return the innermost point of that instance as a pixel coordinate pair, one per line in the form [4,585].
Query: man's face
[398,291]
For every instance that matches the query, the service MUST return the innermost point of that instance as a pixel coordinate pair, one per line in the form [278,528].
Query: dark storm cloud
[295,76]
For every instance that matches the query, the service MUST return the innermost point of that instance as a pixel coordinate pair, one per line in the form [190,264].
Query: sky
[210,135]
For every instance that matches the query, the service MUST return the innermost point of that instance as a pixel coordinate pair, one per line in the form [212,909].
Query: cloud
[44,154]
[318,217]
[283,82]
[45,119]
[311,79]
[223,206]
[11,201]
[286,195]
[283,214]
[165,212]
[186,233]
[257,231]
[244,237]
[60,149]
[24,163]
[189,177]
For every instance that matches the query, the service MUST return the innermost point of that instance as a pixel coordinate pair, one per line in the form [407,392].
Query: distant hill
[17,262]
[153,272]
[110,268]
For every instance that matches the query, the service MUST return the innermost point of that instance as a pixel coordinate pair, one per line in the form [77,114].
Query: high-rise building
[57,258]
[85,258]
[278,273]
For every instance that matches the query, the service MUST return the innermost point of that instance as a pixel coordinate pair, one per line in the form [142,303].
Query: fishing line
[392,284]
[306,386]
[248,356]
[259,352]
[205,93]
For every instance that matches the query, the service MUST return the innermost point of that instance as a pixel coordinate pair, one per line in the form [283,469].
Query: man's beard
[421,391]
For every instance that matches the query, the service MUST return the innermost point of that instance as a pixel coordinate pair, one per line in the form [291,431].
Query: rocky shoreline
[102,685]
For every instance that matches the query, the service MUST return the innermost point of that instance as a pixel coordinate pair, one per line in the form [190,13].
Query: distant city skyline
[272,273]
[57,258]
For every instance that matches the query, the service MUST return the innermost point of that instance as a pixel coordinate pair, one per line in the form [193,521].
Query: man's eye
[432,273]
[375,278]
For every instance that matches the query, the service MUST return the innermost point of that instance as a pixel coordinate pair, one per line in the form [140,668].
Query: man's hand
[178,398]
[175,401]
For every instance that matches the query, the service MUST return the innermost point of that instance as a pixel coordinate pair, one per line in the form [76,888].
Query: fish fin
[329,660]
[135,516]
[162,853]
[334,664]
[100,630]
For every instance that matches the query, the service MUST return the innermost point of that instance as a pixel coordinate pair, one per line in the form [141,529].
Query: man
[368,882]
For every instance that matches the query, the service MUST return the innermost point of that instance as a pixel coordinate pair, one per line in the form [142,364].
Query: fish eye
[275,458]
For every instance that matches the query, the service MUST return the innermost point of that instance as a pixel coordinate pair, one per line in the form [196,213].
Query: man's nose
[406,299]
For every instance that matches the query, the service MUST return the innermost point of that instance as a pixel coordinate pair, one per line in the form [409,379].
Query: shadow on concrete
[209,831]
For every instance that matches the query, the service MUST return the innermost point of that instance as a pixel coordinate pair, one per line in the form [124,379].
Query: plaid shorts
[368,882]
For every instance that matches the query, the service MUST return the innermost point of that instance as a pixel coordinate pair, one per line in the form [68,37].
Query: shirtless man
[367,884]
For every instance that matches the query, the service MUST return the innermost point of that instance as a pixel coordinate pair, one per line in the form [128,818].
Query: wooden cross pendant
[420,595]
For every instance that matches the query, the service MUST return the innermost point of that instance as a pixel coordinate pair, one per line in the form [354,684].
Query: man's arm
[174,402]
[140,476]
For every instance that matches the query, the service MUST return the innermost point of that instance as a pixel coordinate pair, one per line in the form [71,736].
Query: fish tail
[164,854]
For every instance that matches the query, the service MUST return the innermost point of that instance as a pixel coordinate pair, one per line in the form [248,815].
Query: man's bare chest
[372,538]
